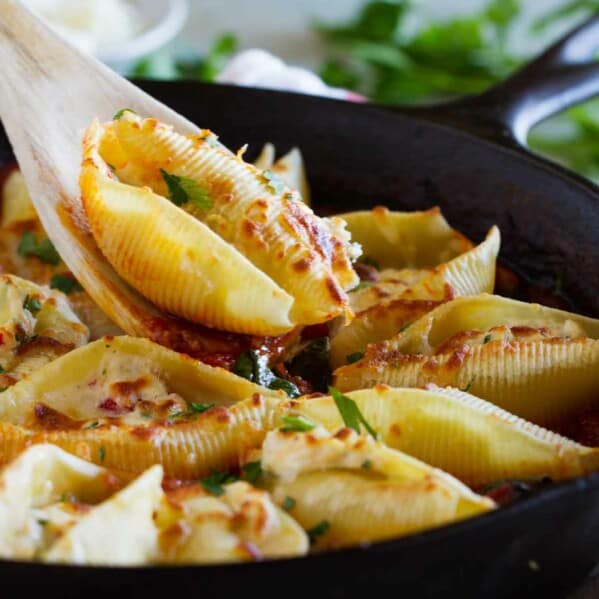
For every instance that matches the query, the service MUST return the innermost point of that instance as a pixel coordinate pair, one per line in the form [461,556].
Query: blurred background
[388,51]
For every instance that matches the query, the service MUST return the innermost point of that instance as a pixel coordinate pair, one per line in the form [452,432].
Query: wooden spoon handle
[49,92]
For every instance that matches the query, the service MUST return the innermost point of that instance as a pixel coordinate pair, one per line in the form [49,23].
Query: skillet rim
[553,494]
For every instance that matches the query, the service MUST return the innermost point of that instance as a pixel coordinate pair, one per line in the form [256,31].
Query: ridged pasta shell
[362,489]
[463,435]
[538,363]
[278,234]
[38,477]
[383,308]
[123,403]
[36,326]
[242,524]
[416,240]
[374,324]
[177,261]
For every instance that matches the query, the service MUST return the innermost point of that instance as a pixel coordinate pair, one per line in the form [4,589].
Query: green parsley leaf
[405,327]
[352,417]
[254,367]
[198,408]
[183,189]
[215,481]
[102,453]
[355,357]
[44,250]
[274,182]
[3,389]
[487,338]
[362,285]
[119,115]
[65,283]
[469,385]
[318,530]
[2,370]
[32,304]
[367,464]
[252,471]
[297,424]
[42,522]
[289,503]
[94,424]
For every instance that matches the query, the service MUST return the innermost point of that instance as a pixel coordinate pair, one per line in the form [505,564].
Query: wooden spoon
[49,92]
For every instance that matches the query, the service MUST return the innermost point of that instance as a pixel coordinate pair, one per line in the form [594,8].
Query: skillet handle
[564,75]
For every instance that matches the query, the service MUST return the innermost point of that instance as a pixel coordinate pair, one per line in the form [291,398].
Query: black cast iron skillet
[467,157]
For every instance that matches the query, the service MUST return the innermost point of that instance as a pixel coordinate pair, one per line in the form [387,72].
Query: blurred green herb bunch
[391,57]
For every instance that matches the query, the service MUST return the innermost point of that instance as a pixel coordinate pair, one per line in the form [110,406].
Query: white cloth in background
[258,68]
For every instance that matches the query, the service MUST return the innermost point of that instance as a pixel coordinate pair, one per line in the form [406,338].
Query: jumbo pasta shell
[123,403]
[118,532]
[40,476]
[36,326]
[547,379]
[374,324]
[472,439]
[416,240]
[179,263]
[241,524]
[393,495]
[277,233]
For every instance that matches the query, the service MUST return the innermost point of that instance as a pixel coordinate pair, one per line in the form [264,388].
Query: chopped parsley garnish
[2,370]
[65,283]
[119,115]
[362,285]
[94,424]
[44,250]
[3,389]
[196,407]
[183,189]
[367,464]
[254,367]
[32,304]
[468,386]
[274,182]
[405,327]
[297,424]
[289,503]
[102,453]
[355,357]
[214,483]
[352,417]
[252,471]
[486,339]
[318,530]
[42,522]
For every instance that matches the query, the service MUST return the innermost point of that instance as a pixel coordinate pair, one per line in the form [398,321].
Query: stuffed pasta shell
[239,523]
[37,325]
[536,362]
[472,439]
[346,489]
[231,248]
[58,508]
[128,403]
[413,262]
